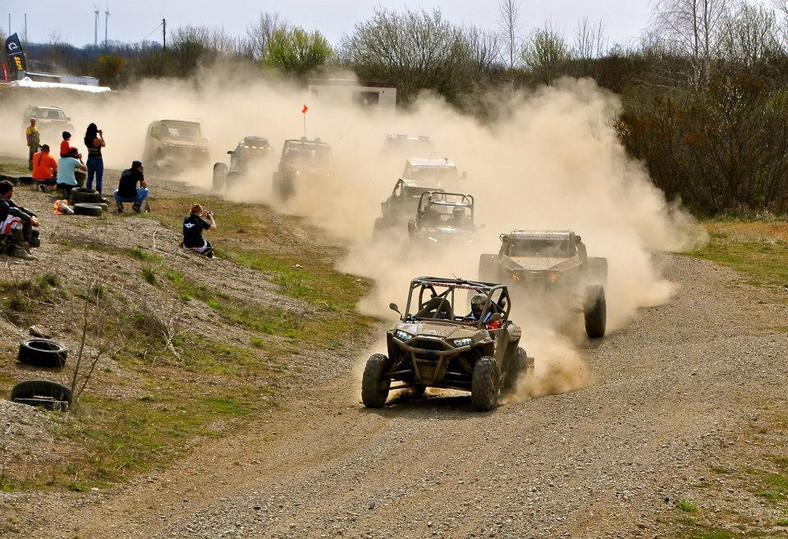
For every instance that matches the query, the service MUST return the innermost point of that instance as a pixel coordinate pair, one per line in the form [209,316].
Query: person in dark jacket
[128,191]
[18,223]
[94,140]
[193,225]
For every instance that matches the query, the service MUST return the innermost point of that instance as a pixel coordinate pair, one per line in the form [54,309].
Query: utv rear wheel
[484,384]
[219,176]
[595,311]
[516,370]
[374,385]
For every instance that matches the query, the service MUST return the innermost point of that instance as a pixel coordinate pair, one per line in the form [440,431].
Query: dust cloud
[551,160]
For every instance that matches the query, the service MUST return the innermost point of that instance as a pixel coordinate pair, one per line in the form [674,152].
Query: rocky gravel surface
[674,396]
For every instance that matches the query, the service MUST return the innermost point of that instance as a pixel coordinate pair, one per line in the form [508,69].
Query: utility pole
[25,28]
[164,34]
[95,27]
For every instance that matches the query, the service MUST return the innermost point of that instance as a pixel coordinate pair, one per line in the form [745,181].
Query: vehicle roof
[443,198]
[304,142]
[175,120]
[51,107]
[547,235]
[438,162]
[249,139]
[425,183]
[404,136]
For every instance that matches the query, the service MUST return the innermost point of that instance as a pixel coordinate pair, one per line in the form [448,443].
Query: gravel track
[673,393]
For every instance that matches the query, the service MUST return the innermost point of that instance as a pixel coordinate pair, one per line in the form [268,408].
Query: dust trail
[550,161]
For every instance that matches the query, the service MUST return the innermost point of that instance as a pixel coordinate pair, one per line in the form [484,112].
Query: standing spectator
[18,222]
[33,140]
[127,190]
[66,170]
[44,168]
[193,225]
[94,140]
[65,144]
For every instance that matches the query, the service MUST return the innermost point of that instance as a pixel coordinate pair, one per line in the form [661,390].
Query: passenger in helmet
[478,303]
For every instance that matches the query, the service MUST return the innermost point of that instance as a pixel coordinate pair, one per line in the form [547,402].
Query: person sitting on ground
[65,144]
[66,171]
[17,222]
[44,168]
[128,191]
[193,225]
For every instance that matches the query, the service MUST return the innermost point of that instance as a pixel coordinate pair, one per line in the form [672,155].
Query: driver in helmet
[478,302]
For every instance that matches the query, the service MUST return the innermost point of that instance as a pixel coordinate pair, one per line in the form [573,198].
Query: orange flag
[303,110]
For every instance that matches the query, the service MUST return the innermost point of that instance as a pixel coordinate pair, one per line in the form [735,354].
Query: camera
[208,214]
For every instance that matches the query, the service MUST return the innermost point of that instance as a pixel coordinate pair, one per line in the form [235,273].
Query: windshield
[318,155]
[541,248]
[450,301]
[432,173]
[181,130]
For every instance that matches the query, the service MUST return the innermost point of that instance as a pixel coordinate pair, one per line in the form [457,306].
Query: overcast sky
[135,20]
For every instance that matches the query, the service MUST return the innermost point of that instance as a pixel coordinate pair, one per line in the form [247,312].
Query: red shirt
[64,148]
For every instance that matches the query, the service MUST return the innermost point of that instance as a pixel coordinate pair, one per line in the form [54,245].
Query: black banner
[13,47]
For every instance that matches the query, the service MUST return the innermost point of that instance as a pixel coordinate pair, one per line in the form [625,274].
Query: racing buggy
[433,346]
[174,144]
[303,161]
[552,265]
[443,217]
[249,153]
[402,202]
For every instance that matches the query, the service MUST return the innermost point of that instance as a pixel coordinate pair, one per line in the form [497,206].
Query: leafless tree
[484,48]
[590,41]
[782,7]
[693,27]
[750,35]
[510,30]
[259,34]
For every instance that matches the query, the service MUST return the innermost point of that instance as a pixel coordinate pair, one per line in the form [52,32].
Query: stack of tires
[87,201]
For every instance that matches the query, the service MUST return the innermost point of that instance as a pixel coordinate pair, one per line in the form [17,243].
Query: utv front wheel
[595,311]
[517,368]
[484,384]
[374,385]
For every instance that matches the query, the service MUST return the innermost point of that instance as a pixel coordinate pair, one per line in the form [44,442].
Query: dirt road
[673,398]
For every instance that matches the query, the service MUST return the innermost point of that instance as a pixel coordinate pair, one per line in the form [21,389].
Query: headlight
[515,276]
[403,335]
[462,342]
[555,277]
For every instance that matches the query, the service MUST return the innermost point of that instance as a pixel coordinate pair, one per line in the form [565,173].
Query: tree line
[703,90]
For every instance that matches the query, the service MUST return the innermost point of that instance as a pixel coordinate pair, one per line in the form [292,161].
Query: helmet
[478,302]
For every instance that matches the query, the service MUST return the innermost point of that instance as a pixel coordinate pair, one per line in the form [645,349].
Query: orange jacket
[44,166]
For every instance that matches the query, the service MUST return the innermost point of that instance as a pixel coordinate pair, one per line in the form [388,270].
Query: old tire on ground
[374,385]
[42,353]
[50,395]
[516,369]
[595,311]
[82,208]
[12,179]
[83,194]
[25,180]
[485,384]
[219,176]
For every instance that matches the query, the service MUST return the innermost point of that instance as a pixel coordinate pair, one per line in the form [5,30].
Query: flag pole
[303,111]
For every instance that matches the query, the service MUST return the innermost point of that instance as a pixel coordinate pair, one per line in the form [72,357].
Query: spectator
[17,222]
[128,191]
[44,168]
[193,225]
[65,144]
[33,140]
[94,140]
[66,170]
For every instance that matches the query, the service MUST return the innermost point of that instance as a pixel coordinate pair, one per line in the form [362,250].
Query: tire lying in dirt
[81,208]
[83,194]
[485,384]
[12,179]
[25,180]
[42,353]
[595,311]
[375,386]
[50,395]
[219,176]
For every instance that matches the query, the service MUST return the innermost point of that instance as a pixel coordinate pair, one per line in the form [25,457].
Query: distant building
[63,79]
[347,92]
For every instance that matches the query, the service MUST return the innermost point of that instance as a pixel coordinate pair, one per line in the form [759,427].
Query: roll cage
[435,298]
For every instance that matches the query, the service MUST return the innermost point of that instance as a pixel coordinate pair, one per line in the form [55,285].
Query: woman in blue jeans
[94,140]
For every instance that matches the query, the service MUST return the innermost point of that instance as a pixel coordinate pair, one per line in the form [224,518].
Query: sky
[133,21]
